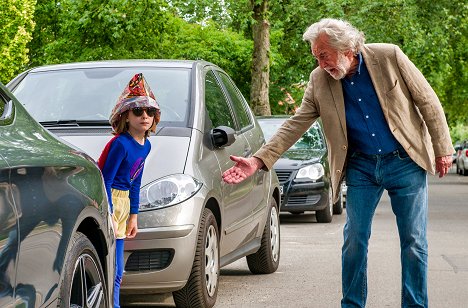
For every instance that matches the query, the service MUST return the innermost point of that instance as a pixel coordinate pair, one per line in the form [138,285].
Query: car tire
[326,215]
[339,205]
[266,259]
[82,261]
[465,171]
[201,289]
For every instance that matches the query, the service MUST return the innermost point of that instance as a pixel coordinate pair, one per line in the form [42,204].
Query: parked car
[462,158]
[303,172]
[56,238]
[190,223]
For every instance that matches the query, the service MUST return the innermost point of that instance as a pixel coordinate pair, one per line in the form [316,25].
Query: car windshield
[88,95]
[310,140]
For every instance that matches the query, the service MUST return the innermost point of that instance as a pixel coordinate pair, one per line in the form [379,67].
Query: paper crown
[136,94]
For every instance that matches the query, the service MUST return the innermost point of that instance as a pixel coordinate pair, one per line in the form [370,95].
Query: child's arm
[132,226]
[113,162]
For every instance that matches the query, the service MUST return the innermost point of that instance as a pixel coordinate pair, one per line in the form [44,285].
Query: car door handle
[247,153]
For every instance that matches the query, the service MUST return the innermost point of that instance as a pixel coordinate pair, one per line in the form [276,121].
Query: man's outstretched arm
[243,168]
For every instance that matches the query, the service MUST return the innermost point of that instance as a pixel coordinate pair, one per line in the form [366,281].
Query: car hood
[295,159]
[167,156]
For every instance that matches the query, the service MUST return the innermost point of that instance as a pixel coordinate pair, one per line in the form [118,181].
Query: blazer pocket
[393,89]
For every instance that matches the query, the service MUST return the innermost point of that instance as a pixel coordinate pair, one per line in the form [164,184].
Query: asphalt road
[309,274]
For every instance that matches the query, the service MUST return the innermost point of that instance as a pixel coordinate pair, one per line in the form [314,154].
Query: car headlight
[168,191]
[311,172]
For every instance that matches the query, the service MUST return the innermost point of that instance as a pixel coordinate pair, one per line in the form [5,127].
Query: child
[135,115]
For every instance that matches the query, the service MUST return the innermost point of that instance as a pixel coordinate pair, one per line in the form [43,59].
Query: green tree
[16,26]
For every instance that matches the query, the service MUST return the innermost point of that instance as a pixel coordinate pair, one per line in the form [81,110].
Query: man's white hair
[342,36]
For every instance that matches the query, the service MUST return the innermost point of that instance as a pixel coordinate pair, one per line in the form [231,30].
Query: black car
[56,238]
[303,172]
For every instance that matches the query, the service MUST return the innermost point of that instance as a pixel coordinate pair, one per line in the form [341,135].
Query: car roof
[122,63]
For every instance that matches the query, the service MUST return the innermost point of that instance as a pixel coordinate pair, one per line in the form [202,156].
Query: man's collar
[359,55]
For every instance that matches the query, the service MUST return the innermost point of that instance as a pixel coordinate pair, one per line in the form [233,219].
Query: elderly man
[386,129]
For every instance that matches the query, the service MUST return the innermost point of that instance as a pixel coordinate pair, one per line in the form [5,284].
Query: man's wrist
[258,163]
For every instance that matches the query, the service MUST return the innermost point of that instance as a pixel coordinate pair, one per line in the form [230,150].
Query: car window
[6,109]
[90,94]
[2,104]
[216,103]
[311,139]
[238,101]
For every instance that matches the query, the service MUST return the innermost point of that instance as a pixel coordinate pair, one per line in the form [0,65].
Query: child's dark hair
[121,125]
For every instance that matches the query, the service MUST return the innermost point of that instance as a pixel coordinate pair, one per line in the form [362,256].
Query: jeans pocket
[402,154]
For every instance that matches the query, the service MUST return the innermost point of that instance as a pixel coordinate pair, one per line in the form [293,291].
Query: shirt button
[352,83]
[380,150]
[359,99]
[344,147]
[373,135]
[367,117]
[338,171]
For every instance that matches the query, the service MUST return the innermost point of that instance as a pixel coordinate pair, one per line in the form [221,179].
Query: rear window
[90,94]
[312,139]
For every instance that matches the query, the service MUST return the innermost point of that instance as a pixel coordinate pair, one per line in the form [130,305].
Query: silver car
[190,223]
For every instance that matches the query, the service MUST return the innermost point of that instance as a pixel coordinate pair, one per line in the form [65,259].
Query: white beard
[341,69]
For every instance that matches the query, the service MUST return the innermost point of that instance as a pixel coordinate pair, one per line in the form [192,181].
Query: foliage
[97,29]
[459,132]
[71,31]
[16,26]
[225,48]
[433,34]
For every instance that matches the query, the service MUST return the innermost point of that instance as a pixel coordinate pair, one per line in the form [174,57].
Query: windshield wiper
[75,123]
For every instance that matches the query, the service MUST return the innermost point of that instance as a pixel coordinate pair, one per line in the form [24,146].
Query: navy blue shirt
[368,131]
[124,168]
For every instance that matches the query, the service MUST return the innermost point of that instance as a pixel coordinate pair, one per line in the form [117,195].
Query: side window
[6,109]
[2,104]
[216,104]
[240,106]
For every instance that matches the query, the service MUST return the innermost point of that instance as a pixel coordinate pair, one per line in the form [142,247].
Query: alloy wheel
[87,289]
[274,234]
[211,260]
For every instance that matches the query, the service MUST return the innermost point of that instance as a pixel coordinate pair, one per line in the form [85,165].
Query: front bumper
[160,258]
[301,197]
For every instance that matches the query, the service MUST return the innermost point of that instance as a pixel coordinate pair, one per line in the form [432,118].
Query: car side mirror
[222,136]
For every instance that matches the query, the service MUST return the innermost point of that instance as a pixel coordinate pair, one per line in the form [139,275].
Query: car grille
[283,176]
[149,260]
[303,200]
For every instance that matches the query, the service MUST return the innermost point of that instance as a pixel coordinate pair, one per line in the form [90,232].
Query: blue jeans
[367,176]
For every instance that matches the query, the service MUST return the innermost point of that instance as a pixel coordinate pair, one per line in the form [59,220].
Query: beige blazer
[411,108]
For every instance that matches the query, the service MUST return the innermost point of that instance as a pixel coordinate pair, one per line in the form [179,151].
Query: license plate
[281,189]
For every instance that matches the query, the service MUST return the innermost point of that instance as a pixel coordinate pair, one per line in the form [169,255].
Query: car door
[236,211]
[254,137]
[8,219]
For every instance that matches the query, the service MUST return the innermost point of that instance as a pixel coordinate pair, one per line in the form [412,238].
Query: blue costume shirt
[124,167]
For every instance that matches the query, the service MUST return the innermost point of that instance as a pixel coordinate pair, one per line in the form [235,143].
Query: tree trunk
[259,99]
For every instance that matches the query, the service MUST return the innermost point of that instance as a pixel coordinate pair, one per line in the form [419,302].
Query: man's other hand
[243,168]
[443,165]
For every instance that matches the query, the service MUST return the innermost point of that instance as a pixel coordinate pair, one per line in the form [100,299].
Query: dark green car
[56,237]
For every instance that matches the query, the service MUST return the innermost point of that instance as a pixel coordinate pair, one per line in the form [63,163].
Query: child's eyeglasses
[150,111]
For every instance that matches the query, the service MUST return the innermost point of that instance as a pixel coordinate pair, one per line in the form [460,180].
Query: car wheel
[83,283]
[326,215]
[266,259]
[339,205]
[464,171]
[202,286]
